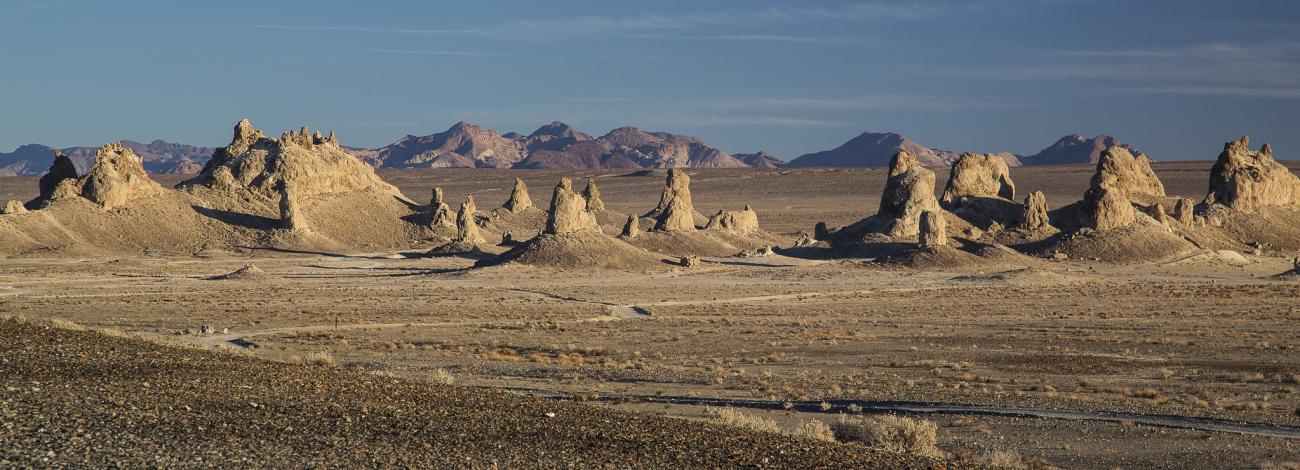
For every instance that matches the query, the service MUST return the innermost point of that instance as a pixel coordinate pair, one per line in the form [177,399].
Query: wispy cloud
[644,25]
[746,121]
[432,52]
[887,102]
[1242,92]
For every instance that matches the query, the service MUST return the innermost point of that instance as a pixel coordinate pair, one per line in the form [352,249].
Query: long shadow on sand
[237,219]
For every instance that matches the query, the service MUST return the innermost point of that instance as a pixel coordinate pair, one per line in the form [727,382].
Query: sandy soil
[1206,336]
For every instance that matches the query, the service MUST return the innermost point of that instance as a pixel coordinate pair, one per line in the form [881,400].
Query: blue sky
[1174,78]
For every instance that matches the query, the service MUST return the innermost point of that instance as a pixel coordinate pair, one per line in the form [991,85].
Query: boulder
[1184,211]
[689,261]
[909,191]
[569,212]
[978,176]
[933,230]
[592,194]
[1246,181]
[466,228]
[519,200]
[743,221]
[440,214]
[631,229]
[116,178]
[1035,217]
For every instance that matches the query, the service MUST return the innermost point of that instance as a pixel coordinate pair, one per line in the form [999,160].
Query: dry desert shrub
[815,429]
[441,376]
[1005,459]
[890,433]
[321,358]
[66,324]
[734,418]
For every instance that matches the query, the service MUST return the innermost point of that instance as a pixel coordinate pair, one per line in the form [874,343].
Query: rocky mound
[1246,181]
[743,221]
[116,178]
[1143,240]
[572,239]
[468,238]
[1119,180]
[313,164]
[978,176]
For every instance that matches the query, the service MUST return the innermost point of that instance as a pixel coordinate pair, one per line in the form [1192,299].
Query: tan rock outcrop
[1119,169]
[519,200]
[466,227]
[933,230]
[13,207]
[676,211]
[291,217]
[440,214]
[1105,208]
[569,212]
[311,163]
[678,187]
[631,229]
[1246,181]
[1157,212]
[61,169]
[974,175]
[116,178]
[742,221]
[1034,218]
[1184,211]
[909,191]
[592,194]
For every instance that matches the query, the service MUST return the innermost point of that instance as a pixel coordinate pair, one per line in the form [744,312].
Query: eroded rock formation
[1034,218]
[466,227]
[909,191]
[592,194]
[1106,208]
[1118,169]
[742,221]
[1246,181]
[676,211]
[933,230]
[13,207]
[117,177]
[1184,211]
[61,169]
[978,176]
[291,217]
[569,212]
[312,163]
[631,229]
[519,200]
[440,214]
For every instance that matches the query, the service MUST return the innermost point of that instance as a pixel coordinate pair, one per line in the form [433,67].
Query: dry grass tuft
[815,429]
[890,433]
[734,418]
[441,376]
[321,358]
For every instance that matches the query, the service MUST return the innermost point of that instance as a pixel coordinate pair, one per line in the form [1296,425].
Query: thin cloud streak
[868,103]
[432,52]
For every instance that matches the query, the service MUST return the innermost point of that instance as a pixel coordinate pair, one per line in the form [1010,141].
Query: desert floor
[1209,339]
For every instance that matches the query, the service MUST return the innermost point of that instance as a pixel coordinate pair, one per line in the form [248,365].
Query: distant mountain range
[558,145]
[159,157]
